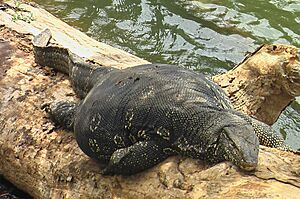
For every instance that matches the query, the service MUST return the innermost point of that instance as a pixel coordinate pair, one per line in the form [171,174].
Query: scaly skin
[134,118]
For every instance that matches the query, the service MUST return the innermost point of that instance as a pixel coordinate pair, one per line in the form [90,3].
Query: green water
[208,36]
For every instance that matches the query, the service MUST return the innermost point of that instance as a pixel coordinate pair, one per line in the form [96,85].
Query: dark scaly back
[163,103]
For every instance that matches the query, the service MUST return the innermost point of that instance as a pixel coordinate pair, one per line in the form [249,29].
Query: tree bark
[47,163]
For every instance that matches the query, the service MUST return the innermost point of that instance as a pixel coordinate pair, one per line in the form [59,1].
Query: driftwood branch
[47,163]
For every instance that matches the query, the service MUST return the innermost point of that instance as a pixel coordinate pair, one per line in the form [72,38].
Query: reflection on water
[206,35]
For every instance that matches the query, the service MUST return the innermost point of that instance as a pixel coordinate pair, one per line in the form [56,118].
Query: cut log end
[263,84]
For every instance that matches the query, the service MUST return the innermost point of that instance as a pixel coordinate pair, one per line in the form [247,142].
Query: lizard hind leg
[61,113]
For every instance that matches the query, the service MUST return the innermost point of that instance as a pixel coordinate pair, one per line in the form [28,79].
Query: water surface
[210,36]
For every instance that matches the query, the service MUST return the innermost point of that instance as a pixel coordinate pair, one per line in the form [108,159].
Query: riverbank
[47,163]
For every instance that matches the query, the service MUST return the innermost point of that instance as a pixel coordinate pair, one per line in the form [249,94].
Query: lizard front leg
[138,157]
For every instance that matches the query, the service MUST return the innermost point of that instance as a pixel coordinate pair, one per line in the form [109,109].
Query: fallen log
[47,163]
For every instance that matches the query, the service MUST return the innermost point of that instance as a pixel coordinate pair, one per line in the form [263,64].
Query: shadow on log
[47,163]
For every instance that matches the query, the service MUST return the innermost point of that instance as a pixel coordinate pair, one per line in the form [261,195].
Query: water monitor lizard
[134,118]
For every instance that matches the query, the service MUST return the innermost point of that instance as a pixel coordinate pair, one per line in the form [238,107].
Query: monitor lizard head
[239,145]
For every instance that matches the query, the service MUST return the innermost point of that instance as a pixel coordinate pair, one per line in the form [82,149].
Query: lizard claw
[46,107]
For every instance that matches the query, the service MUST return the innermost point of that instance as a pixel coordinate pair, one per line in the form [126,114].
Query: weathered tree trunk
[263,84]
[47,163]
